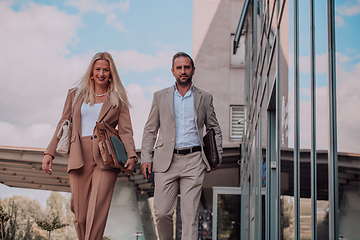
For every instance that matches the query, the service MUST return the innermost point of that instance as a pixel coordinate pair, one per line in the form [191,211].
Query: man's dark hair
[182,54]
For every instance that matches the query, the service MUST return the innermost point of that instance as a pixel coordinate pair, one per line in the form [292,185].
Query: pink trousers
[91,192]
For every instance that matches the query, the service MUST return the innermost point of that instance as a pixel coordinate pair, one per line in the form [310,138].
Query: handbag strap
[72,111]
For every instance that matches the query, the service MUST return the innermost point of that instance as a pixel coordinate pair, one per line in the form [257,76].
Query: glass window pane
[228,222]
[348,101]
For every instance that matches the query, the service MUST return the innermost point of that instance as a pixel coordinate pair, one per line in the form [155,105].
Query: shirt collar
[191,87]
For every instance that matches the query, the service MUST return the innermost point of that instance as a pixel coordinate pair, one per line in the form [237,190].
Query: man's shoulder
[163,91]
[200,91]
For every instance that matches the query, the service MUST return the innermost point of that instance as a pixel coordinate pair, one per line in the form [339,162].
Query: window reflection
[228,221]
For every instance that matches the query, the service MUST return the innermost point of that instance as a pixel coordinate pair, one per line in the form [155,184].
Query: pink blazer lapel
[104,109]
[77,116]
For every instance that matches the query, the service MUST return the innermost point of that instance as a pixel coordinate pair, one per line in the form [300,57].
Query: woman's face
[101,73]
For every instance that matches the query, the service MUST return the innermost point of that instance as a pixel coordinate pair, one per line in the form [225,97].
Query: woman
[99,95]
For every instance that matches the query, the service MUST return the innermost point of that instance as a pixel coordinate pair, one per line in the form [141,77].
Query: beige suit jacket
[160,127]
[114,116]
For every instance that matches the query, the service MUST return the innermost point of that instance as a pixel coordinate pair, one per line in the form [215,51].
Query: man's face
[183,71]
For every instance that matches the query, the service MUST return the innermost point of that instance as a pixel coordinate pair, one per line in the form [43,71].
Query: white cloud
[102,7]
[111,19]
[304,63]
[320,63]
[348,101]
[139,111]
[37,135]
[165,46]
[34,58]
[132,60]
[349,9]
[164,81]
[342,58]
[154,88]
[99,6]
[339,21]
[37,28]
[39,71]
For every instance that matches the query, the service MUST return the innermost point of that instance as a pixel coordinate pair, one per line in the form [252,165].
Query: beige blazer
[114,116]
[160,127]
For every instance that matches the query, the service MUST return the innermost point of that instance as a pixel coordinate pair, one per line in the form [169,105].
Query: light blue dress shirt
[186,133]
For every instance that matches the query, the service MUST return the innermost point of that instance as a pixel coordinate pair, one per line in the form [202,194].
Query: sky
[46,46]
[347,19]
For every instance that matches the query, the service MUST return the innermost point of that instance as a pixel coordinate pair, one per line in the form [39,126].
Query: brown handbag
[210,148]
[112,150]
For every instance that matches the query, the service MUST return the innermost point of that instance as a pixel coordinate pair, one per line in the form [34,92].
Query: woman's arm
[50,151]
[126,135]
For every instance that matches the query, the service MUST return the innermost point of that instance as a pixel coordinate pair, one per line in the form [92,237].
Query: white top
[89,116]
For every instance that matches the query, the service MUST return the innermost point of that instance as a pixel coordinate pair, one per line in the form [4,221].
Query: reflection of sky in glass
[348,72]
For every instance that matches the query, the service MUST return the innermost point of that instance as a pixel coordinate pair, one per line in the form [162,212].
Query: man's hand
[47,164]
[146,169]
[215,168]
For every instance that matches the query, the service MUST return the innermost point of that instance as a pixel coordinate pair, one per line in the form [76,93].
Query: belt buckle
[184,151]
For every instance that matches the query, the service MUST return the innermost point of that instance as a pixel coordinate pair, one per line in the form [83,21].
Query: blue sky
[46,46]
[347,18]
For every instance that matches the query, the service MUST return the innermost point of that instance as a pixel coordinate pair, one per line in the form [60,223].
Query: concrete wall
[213,23]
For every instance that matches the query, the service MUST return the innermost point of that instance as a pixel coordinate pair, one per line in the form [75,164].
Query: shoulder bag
[112,149]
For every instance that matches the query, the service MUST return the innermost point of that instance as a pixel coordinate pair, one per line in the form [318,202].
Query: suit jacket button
[95,136]
[91,137]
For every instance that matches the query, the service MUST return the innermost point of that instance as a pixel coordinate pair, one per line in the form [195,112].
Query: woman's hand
[129,165]
[47,164]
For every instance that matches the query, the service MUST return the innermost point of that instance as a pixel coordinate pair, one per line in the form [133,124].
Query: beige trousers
[187,173]
[91,192]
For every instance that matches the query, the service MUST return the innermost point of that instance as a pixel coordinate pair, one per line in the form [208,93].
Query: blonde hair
[85,86]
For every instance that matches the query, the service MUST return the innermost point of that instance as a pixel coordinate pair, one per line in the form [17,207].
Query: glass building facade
[300,161]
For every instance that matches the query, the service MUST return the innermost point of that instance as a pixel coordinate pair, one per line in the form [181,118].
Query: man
[176,122]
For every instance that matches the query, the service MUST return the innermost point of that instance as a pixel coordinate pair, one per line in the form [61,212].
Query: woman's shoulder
[72,90]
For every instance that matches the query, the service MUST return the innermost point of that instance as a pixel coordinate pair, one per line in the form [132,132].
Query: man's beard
[182,82]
